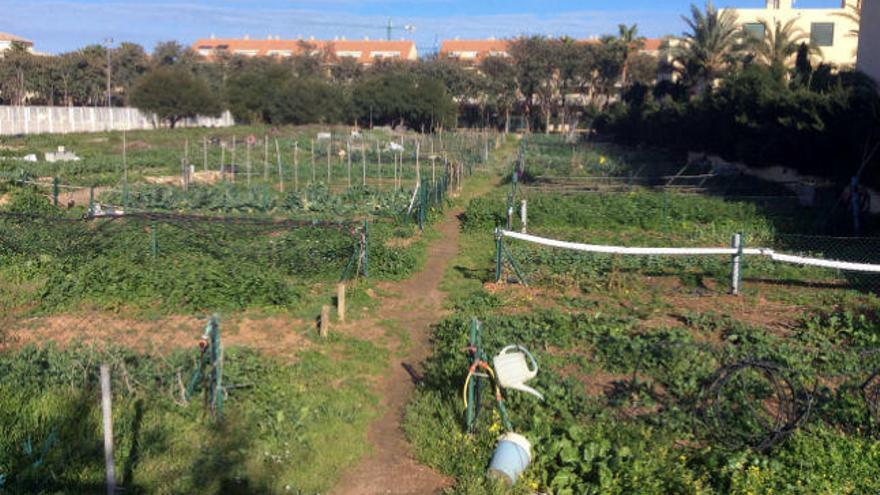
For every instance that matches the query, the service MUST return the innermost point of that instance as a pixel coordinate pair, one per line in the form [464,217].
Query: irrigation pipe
[655,251]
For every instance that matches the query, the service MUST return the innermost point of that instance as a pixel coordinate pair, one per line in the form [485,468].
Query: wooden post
[107,413]
[324,328]
[340,302]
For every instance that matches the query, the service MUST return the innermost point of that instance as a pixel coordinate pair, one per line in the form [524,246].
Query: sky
[57,26]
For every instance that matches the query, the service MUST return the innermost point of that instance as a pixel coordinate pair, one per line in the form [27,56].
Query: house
[473,52]
[869,40]
[832,30]
[365,52]
[8,40]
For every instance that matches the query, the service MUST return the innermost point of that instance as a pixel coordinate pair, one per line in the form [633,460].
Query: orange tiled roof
[12,37]
[652,44]
[365,51]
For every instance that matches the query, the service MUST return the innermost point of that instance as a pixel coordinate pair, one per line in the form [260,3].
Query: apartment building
[869,40]
[475,51]
[365,52]
[832,30]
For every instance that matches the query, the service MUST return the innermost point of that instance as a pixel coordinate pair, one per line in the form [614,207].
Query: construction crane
[409,28]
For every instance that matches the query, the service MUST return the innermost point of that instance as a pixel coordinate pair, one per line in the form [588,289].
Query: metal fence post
[736,264]
[55,191]
[366,249]
[498,254]
[524,216]
[107,415]
[91,202]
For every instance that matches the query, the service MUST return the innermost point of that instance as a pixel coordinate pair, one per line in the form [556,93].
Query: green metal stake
[265,197]
[125,195]
[469,414]
[154,240]
[91,201]
[55,191]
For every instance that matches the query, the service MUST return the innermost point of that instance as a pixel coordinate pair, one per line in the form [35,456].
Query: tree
[779,45]
[803,67]
[308,101]
[537,75]
[250,93]
[709,49]
[608,58]
[632,43]
[499,86]
[346,71]
[173,53]
[129,63]
[173,94]
[17,68]
[396,98]
[643,69]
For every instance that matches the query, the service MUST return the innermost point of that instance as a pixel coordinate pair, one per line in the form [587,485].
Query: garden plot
[656,379]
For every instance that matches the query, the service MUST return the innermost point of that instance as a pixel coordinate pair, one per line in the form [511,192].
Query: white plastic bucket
[512,456]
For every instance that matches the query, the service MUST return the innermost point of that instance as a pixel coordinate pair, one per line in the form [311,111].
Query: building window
[385,54]
[822,34]
[464,54]
[755,30]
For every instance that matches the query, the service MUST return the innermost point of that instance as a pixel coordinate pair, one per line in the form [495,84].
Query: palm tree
[779,45]
[706,52]
[854,14]
[632,43]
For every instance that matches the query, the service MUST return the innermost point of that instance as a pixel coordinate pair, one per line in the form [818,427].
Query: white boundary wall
[61,120]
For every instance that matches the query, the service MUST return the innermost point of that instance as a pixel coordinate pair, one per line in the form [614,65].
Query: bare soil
[272,335]
[390,467]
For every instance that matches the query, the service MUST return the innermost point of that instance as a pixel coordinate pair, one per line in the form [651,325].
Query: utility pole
[108,42]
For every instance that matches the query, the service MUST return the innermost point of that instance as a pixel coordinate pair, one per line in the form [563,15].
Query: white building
[831,30]
[7,40]
[869,39]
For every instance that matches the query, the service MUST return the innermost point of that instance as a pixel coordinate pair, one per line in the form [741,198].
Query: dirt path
[390,467]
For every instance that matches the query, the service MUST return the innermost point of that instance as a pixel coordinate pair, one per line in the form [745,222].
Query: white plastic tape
[650,251]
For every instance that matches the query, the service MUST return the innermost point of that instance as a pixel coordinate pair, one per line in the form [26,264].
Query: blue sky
[61,25]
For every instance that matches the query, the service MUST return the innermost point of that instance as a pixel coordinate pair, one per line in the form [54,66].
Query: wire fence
[228,187]
[173,262]
[792,260]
